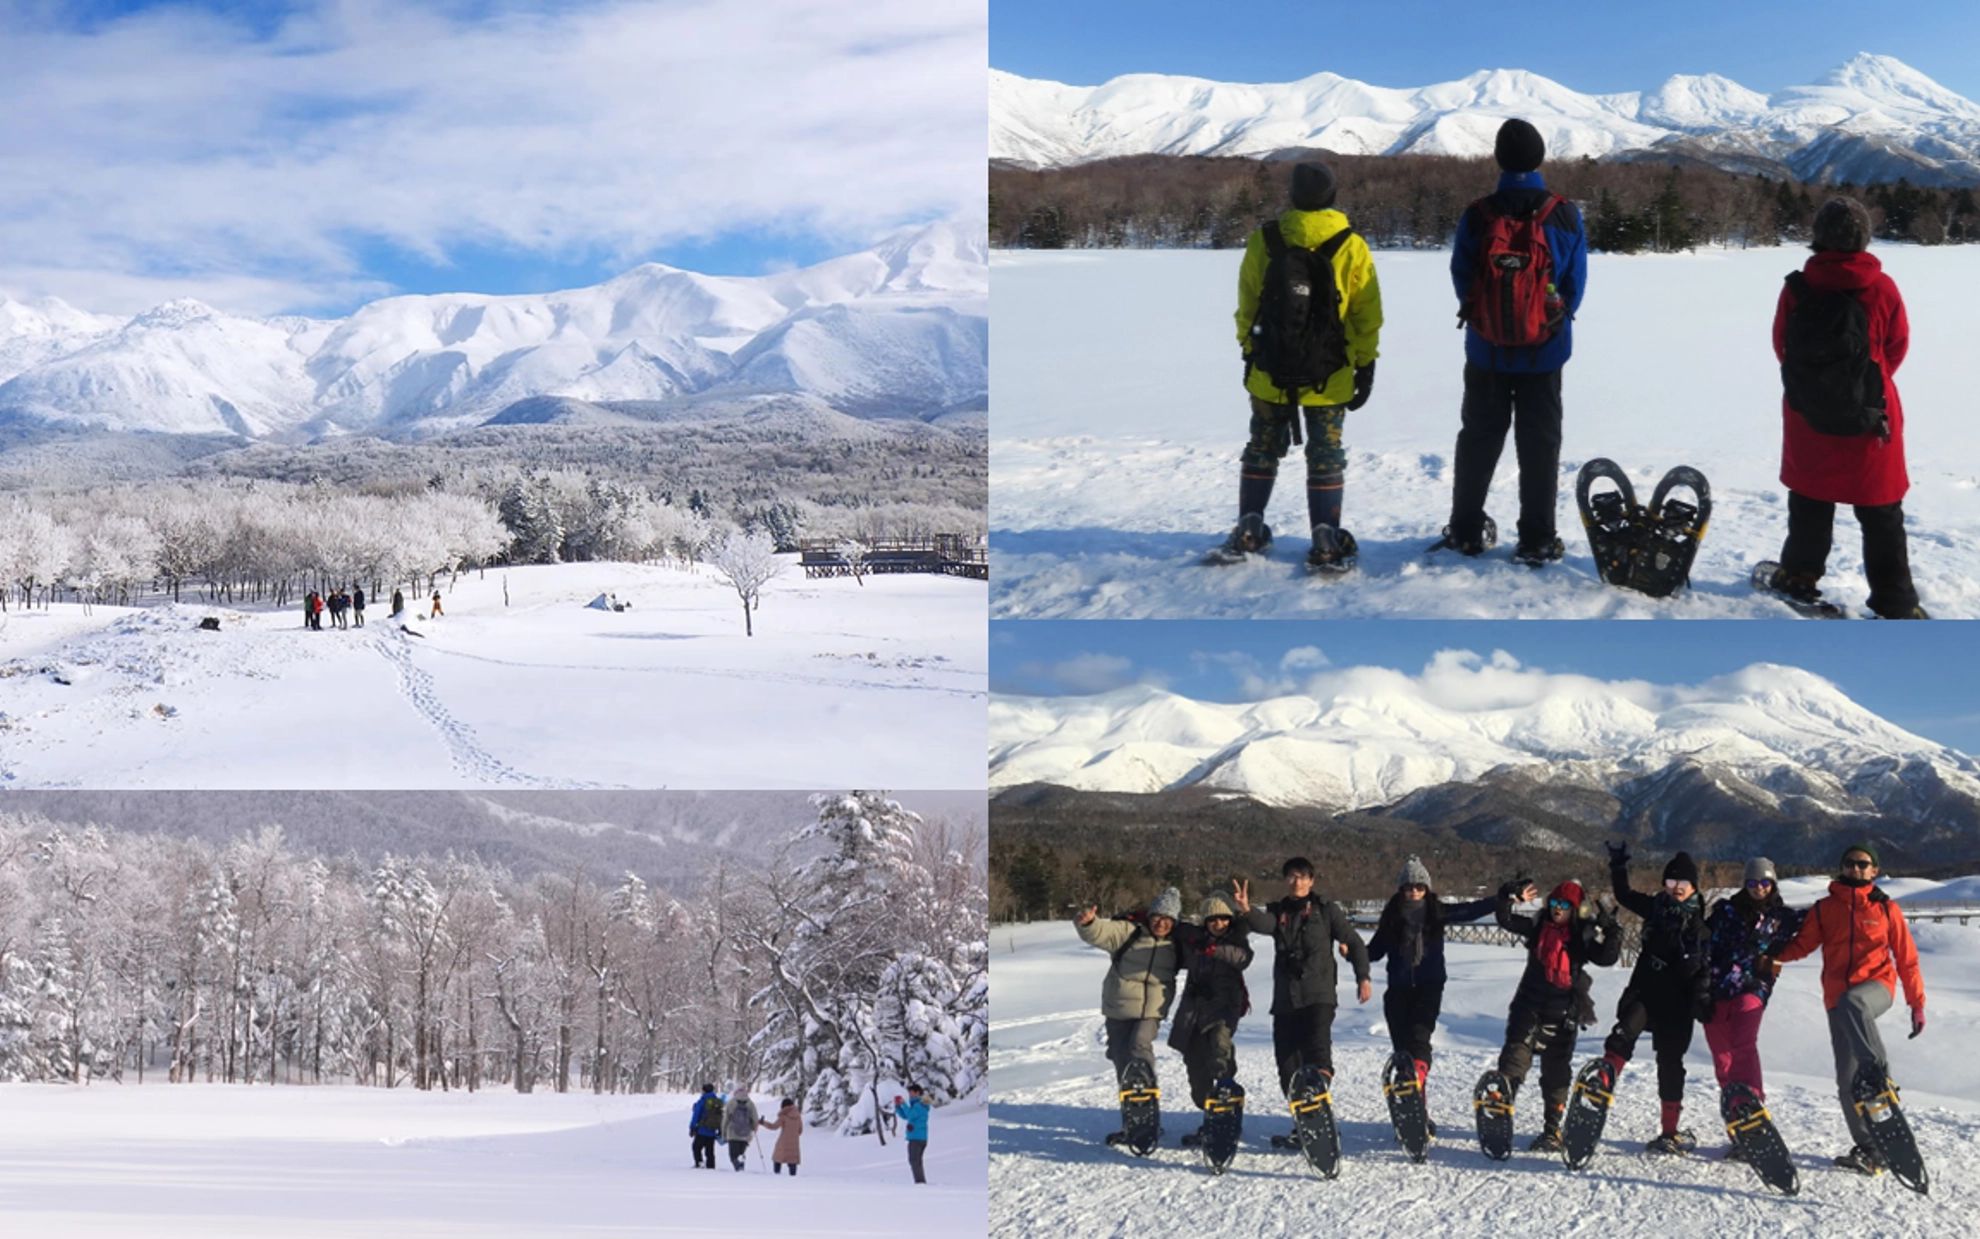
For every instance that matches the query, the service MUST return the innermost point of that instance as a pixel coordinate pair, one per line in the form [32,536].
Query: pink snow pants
[1733,1033]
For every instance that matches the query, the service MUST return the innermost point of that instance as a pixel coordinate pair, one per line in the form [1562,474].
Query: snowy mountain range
[1768,747]
[1872,119]
[900,330]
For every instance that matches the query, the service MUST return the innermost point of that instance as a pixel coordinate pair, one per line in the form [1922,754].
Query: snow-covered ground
[1114,450]
[232,1162]
[881,684]
[1053,1101]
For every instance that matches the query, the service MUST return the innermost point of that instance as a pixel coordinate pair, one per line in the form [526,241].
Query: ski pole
[756,1138]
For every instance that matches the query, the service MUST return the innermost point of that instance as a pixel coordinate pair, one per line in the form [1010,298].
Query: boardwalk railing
[946,554]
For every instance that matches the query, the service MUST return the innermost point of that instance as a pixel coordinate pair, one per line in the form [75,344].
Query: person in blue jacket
[913,1111]
[1517,298]
[704,1125]
[1410,932]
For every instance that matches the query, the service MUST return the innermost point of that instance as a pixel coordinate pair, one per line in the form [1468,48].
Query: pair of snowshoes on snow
[1334,551]
[1650,548]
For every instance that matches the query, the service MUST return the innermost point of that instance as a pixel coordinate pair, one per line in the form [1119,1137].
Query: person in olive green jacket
[1282,343]
[1134,998]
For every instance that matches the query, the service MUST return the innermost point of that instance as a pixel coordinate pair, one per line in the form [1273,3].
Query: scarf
[1552,953]
[1409,931]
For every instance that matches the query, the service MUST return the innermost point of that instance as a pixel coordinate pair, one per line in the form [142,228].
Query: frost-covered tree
[748,562]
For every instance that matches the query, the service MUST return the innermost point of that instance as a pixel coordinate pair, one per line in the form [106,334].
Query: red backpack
[1513,303]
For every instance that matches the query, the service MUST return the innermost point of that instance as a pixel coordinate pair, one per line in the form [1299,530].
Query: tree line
[1414,201]
[850,961]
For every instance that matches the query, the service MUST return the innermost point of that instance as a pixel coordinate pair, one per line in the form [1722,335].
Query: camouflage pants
[1271,439]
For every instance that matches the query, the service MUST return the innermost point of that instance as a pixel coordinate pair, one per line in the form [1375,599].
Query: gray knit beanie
[1168,903]
[1414,873]
[1760,869]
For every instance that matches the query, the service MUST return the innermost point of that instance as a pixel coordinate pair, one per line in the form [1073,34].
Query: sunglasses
[1671,884]
[1756,884]
[1859,864]
[1418,887]
[1562,904]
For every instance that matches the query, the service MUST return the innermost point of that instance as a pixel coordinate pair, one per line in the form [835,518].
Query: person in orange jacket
[1866,952]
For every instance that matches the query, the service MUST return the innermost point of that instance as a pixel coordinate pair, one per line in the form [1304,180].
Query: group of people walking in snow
[346,608]
[1309,321]
[1695,967]
[734,1120]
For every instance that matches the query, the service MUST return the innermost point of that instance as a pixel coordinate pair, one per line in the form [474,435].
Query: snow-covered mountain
[1871,119]
[899,330]
[1769,741]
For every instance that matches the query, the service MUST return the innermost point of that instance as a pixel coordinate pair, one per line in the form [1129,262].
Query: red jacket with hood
[1863,937]
[1860,469]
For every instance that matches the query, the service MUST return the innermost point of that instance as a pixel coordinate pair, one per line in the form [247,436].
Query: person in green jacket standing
[1309,319]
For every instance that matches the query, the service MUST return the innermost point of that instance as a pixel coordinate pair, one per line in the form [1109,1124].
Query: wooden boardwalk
[946,554]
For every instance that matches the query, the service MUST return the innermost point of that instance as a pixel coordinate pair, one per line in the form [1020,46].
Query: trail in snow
[474,764]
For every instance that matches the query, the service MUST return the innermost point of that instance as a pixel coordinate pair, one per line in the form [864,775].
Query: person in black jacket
[1552,1003]
[1410,932]
[1214,955]
[1670,989]
[357,620]
[1304,928]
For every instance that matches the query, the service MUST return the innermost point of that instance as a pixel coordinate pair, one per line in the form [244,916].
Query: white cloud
[1084,673]
[175,145]
[1255,681]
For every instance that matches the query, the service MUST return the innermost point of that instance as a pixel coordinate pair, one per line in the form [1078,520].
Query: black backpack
[1827,371]
[1297,338]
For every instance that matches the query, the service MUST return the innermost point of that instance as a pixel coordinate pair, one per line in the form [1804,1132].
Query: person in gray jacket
[1142,978]
[1304,926]
[739,1125]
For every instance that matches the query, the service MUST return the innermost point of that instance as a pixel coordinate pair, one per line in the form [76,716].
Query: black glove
[1703,1008]
[1364,385]
[1618,854]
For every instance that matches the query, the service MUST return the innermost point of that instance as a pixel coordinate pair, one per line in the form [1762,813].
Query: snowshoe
[1487,538]
[1223,1124]
[1890,1132]
[1677,1143]
[1141,1108]
[1491,1104]
[1671,533]
[1539,554]
[1756,1141]
[1862,1160]
[1250,537]
[1312,1105]
[1334,552]
[1799,594]
[1405,1094]
[1587,1112]
[1609,517]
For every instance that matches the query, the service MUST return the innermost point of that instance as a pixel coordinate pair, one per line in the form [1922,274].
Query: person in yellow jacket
[1309,319]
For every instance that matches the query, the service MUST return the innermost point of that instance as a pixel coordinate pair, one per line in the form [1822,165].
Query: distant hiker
[1866,952]
[1304,926]
[436,604]
[309,609]
[1841,333]
[1410,932]
[1520,265]
[788,1126]
[1214,998]
[1669,990]
[1309,318]
[316,612]
[1140,981]
[1552,1004]
[337,601]
[1744,931]
[398,604]
[357,607]
[739,1120]
[914,1112]
[705,1126]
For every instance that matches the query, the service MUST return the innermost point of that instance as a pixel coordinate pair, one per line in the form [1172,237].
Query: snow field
[1120,419]
[172,1161]
[1053,1101]
[884,683]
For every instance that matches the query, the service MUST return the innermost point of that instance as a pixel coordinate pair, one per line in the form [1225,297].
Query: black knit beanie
[1843,225]
[1312,187]
[1519,147]
[1683,868]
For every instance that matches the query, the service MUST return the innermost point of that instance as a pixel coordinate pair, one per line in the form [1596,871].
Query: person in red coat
[1865,471]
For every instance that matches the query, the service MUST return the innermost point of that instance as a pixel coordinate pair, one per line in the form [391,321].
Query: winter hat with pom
[1312,187]
[1215,905]
[1414,873]
[1519,147]
[1683,868]
[1843,225]
[1168,903]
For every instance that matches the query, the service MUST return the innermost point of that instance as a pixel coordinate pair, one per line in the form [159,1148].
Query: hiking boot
[1678,1142]
[1193,1139]
[1539,554]
[1116,1138]
[1548,1141]
[1485,540]
[1795,585]
[1289,1140]
[1334,550]
[1863,1160]
[1250,537]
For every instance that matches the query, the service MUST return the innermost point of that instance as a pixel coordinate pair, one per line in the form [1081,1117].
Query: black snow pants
[1411,1012]
[1886,556]
[1301,1036]
[704,1151]
[1530,406]
[1549,1031]
[1209,1059]
[1669,1019]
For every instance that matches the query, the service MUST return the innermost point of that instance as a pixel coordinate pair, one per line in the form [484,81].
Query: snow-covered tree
[748,562]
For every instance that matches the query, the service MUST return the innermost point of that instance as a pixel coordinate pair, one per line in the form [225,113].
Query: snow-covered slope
[899,330]
[1873,118]
[1366,737]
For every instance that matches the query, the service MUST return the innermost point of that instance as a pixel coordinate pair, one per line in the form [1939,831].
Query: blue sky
[312,155]
[1594,48]
[1923,678]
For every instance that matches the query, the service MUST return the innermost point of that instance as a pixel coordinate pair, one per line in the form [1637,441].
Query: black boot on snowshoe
[1289,1140]
[1678,1142]
[1334,551]
[1251,536]
[1795,585]
[1862,1160]
[1539,554]
[1486,539]
[1116,1139]
[1193,1139]
[1548,1141]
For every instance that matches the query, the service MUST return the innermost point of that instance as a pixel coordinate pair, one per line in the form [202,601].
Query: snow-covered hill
[899,330]
[1768,741]
[1871,119]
